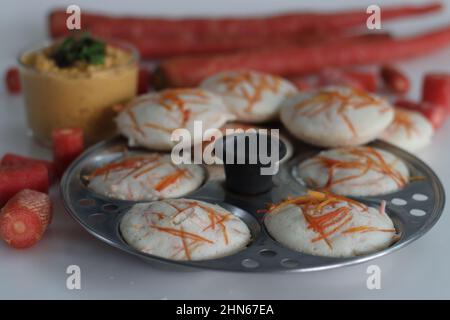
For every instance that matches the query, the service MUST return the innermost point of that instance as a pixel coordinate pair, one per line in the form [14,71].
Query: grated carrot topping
[317,195]
[311,196]
[382,166]
[339,218]
[134,122]
[349,124]
[330,100]
[185,246]
[181,233]
[320,223]
[170,179]
[402,120]
[189,205]
[324,224]
[147,170]
[211,216]
[168,99]
[332,231]
[160,215]
[317,228]
[158,127]
[127,163]
[325,203]
[330,216]
[184,236]
[366,159]
[363,229]
[351,201]
[259,85]
[224,232]
[173,98]
[214,221]
[328,224]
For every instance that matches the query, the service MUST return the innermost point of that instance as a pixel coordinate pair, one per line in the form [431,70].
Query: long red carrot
[164,47]
[243,26]
[189,71]
[157,46]
[160,38]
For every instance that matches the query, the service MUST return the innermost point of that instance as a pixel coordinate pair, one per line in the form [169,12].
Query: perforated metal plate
[414,210]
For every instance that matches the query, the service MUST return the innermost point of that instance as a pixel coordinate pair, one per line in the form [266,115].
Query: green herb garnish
[82,48]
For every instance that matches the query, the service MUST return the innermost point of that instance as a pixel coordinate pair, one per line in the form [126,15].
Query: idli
[184,229]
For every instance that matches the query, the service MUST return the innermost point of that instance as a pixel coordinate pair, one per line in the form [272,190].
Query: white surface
[419,271]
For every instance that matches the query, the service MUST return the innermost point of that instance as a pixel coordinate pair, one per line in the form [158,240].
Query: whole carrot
[164,47]
[157,46]
[126,26]
[294,60]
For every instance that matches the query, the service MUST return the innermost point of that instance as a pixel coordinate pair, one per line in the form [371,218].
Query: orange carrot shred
[362,229]
[170,179]
[134,122]
[329,99]
[333,231]
[158,127]
[213,216]
[185,246]
[173,98]
[127,163]
[367,158]
[180,233]
[324,224]
[402,120]
[259,84]
[147,170]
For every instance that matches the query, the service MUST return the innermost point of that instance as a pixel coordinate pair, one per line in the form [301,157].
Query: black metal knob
[250,160]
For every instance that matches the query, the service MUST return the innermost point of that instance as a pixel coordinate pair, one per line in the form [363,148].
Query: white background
[422,270]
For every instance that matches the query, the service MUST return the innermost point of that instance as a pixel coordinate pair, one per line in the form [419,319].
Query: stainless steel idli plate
[414,210]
